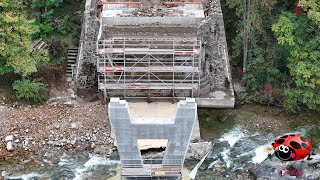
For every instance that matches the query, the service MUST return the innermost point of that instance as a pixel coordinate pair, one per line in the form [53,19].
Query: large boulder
[198,150]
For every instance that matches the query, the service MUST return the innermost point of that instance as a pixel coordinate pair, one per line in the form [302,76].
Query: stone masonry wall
[215,65]
[84,74]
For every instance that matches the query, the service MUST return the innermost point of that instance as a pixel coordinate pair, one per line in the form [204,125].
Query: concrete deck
[182,14]
[217,99]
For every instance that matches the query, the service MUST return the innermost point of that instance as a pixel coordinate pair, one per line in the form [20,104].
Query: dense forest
[27,71]
[274,46]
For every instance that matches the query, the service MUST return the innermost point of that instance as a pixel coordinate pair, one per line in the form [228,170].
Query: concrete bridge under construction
[155,50]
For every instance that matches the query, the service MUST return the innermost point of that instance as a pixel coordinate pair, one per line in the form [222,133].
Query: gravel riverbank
[58,127]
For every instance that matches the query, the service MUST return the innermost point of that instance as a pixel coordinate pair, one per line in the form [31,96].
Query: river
[237,134]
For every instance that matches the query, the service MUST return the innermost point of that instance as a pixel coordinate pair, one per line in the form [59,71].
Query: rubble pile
[152,12]
[37,128]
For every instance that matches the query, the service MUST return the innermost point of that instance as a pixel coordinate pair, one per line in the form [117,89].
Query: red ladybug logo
[292,147]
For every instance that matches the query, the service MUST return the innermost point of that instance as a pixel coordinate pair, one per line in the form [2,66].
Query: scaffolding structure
[149,67]
[152,168]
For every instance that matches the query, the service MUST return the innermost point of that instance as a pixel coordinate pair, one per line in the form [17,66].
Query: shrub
[30,91]
[45,29]
[65,27]
[77,18]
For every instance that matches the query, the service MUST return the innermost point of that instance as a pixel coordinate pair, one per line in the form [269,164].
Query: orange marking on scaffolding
[183,52]
[110,69]
[173,3]
[128,2]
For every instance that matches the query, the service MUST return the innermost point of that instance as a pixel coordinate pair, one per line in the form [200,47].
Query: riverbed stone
[64,174]
[8,138]
[9,146]
[104,149]
[73,141]
[198,150]
[56,125]
[74,125]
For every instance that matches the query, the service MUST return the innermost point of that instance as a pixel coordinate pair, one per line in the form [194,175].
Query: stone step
[72,62]
[72,57]
[72,54]
[73,49]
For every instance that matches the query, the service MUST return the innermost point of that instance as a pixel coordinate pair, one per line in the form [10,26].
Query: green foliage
[292,101]
[30,91]
[313,10]
[46,15]
[24,21]
[77,18]
[281,48]
[16,50]
[296,97]
[251,82]
[4,69]
[45,29]
[65,27]
[264,60]
[283,30]
[299,35]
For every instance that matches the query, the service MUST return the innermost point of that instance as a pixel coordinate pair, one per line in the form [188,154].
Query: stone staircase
[71,61]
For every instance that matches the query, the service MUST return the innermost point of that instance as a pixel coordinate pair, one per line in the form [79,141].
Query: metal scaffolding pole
[170,65]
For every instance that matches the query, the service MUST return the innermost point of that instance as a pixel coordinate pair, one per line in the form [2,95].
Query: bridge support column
[177,131]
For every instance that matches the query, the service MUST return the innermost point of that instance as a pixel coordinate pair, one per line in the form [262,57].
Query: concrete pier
[177,131]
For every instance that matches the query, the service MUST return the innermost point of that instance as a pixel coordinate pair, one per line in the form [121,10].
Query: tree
[30,91]
[253,46]
[44,14]
[16,30]
[299,36]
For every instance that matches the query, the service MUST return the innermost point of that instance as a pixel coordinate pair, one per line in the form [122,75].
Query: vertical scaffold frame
[142,67]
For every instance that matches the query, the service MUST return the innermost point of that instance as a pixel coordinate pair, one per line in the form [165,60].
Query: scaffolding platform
[106,69]
[130,64]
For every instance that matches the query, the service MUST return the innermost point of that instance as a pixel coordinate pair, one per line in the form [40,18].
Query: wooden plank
[36,42]
[160,173]
[45,47]
[40,45]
